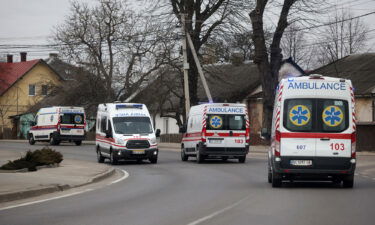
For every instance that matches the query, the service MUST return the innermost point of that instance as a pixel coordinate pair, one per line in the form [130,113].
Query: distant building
[22,85]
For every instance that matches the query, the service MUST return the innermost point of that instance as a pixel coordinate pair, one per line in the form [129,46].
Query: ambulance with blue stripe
[313,131]
[124,131]
[58,123]
[216,130]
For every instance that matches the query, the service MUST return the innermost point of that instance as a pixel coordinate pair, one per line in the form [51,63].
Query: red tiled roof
[11,72]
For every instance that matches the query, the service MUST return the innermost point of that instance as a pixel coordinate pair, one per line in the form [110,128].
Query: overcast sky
[32,21]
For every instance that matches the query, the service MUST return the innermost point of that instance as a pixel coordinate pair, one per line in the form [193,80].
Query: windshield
[72,118]
[226,122]
[132,125]
[316,115]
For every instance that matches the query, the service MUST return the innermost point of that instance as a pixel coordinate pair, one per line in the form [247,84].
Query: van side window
[110,128]
[103,124]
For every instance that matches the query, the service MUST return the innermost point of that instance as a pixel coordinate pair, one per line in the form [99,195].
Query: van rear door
[298,138]
[334,137]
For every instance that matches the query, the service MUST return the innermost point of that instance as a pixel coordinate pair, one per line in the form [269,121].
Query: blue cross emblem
[332,116]
[216,122]
[299,115]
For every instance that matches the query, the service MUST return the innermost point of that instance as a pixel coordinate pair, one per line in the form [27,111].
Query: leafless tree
[268,59]
[115,44]
[343,36]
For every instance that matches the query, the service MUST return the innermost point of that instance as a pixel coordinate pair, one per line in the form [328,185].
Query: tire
[99,156]
[184,157]
[31,139]
[276,180]
[154,160]
[78,143]
[242,159]
[200,158]
[113,159]
[53,140]
[224,158]
[348,182]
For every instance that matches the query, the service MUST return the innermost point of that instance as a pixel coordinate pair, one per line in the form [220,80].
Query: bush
[32,159]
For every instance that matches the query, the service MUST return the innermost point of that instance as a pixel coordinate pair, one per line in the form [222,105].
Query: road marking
[212,215]
[125,175]
[45,200]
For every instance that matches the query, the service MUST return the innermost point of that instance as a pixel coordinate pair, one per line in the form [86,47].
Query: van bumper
[129,154]
[69,137]
[320,166]
[215,151]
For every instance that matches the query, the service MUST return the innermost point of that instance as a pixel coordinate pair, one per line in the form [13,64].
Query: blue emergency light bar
[131,106]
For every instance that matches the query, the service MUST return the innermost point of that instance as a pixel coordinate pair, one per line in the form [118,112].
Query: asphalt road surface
[173,192]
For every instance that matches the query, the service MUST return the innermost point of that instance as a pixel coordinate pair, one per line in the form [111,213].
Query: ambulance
[313,131]
[124,132]
[58,123]
[217,130]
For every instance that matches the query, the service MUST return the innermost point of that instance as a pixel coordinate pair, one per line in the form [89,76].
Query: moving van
[58,123]
[313,131]
[217,130]
[124,131]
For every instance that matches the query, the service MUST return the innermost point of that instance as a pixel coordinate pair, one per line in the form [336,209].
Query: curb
[7,197]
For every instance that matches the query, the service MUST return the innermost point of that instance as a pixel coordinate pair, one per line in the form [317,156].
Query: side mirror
[32,123]
[183,128]
[265,134]
[157,133]
[108,134]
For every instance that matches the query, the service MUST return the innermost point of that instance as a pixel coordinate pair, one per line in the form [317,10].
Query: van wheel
[242,159]
[113,159]
[276,179]
[31,139]
[269,175]
[184,157]
[78,143]
[99,156]
[154,160]
[348,182]
[53,141]
[200,158]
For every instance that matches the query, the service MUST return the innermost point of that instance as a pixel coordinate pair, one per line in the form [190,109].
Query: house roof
[10,73]
[359,68]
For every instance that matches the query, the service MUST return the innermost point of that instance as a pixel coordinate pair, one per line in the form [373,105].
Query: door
[332,122]
[298,121]
[72,124]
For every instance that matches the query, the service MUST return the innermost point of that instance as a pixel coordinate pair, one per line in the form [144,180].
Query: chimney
[9,58]
[23,56]
[53,55]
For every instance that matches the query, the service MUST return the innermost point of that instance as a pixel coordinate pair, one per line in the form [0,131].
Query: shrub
[32,159]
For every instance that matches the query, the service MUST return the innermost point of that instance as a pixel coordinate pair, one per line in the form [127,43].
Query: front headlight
[120,141]
[153,141]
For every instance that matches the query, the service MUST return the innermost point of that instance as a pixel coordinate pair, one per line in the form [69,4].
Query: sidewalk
[70,174]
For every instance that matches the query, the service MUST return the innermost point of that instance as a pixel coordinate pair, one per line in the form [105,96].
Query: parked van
[218,130]
[124,131]
[58,123]
[313,131]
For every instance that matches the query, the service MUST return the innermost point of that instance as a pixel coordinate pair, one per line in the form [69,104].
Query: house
[22,85]
[360,69]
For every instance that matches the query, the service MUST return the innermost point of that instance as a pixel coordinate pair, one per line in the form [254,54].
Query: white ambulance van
[217,130]
[124,132]
[58,123]
[313,131]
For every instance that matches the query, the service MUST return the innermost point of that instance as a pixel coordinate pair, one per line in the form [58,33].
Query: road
[213,193]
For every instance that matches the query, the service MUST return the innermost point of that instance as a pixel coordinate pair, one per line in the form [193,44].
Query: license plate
[65,131]
[138,152]
[301,162]
[215,141]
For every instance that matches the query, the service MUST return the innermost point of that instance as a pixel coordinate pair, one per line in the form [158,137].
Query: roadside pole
[185,66]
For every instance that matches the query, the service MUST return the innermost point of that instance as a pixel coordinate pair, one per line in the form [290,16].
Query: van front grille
[135,144]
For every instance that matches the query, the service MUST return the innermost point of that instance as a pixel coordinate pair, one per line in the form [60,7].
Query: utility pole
[185,66]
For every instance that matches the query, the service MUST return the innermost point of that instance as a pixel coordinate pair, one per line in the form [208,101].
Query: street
[215,192]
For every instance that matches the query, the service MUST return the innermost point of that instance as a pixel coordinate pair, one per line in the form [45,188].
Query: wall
[160,123]
[364,110]
[17,100]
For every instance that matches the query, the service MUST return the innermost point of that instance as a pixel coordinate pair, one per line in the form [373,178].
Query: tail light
[353,140]
[277,142]
[203,135]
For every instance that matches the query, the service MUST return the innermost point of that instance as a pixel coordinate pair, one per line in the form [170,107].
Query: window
[226,122]
[132,125]
[103,124]
[31,89]
[72,118]
[44,90]
[316,115]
